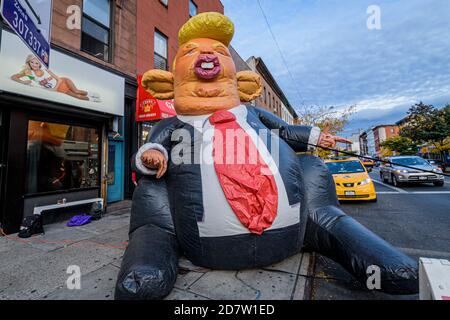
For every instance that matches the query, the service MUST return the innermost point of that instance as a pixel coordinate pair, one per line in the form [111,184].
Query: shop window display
[61,157]
[144,132]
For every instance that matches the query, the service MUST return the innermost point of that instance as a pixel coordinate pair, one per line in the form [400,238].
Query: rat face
[204,78]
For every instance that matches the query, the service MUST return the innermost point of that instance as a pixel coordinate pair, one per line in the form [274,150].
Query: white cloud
[335,60]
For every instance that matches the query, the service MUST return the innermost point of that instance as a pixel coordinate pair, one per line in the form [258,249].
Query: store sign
[69,80]
[148,108]
[31,21]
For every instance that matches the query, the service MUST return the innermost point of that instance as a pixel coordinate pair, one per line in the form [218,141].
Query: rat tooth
[207,65]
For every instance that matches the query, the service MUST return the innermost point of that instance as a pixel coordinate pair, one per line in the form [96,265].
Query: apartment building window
[96,29]
[265,95]
[192,8]
[269,105]
[273,104]
[160,51]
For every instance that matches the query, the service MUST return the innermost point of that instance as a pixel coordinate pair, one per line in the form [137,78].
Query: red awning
[148,108]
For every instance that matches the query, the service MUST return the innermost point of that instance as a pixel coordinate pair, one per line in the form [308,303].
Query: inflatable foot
[329,231]
[150,265]
[334,234]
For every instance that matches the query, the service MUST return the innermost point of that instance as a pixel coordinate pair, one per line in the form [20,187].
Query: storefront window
[61,157]
[144,132]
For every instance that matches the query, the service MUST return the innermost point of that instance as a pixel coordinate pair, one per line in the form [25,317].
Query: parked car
[443,165]
[352,179]
[368,164]
[399,175]
[437,163]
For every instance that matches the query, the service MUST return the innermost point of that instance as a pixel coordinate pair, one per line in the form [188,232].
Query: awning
[148,108]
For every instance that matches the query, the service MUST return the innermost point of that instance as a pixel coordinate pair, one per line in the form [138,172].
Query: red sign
[148,108]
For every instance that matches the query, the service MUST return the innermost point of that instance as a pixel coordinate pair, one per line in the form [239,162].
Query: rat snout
[207,66]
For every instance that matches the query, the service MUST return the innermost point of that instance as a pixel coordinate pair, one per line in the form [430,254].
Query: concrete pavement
[36,268]
[415,219]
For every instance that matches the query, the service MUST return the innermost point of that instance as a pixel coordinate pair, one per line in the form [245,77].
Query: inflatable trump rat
[223,183]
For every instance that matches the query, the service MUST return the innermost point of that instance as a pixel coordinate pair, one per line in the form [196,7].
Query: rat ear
[159,84]
[249,85]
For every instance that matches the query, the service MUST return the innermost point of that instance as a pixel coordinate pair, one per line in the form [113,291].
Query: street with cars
[414,218]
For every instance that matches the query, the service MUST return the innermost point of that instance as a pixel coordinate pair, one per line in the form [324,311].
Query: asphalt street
[415,219]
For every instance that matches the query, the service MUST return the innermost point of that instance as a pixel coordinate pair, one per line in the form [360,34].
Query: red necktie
[246,180]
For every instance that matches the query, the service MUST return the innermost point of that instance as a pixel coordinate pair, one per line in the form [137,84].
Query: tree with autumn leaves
[400,145]
[425,124]
[328,118]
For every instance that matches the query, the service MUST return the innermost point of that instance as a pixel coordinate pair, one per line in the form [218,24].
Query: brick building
[272,97]
[382,133]
[116,19]
[157,25]
[68,132]
[158,22]
[371,139]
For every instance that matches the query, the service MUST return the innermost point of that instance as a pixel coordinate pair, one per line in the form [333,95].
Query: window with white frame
[160,59]
[96,28]
[192,8]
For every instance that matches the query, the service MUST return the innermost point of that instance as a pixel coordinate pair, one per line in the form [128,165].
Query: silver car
[399,175]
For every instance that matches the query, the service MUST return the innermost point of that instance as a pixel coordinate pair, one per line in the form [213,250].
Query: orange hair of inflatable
[211,25]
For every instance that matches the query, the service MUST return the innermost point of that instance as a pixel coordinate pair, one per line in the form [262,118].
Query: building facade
[157,26]
[371,139]
[367,143]
[62,128]
[363,150]
[382,133]
[355,146]
[158,23]
[68,133]
[241,64]
[272,97]
[284,112]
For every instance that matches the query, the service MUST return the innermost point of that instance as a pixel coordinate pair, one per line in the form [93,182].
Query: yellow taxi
[368,164]
[352,179]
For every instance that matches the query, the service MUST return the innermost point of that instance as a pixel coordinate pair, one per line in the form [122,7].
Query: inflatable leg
[332,233]
[150,263]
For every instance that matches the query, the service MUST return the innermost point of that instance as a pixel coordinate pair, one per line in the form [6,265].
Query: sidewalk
[36,268]
[331,282]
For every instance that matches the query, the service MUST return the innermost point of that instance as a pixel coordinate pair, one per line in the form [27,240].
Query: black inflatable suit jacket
[165,215]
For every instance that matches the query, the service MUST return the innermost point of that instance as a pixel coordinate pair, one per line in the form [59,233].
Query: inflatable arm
[299,138]
[332,233]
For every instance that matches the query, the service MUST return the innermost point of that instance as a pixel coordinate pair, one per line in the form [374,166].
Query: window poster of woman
[34,74]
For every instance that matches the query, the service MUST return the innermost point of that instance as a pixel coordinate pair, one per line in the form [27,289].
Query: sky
[335,60]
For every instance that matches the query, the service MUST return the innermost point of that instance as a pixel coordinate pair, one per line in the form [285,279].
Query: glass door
[115,171]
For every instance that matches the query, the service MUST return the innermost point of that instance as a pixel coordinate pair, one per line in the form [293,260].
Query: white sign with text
[68,81]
